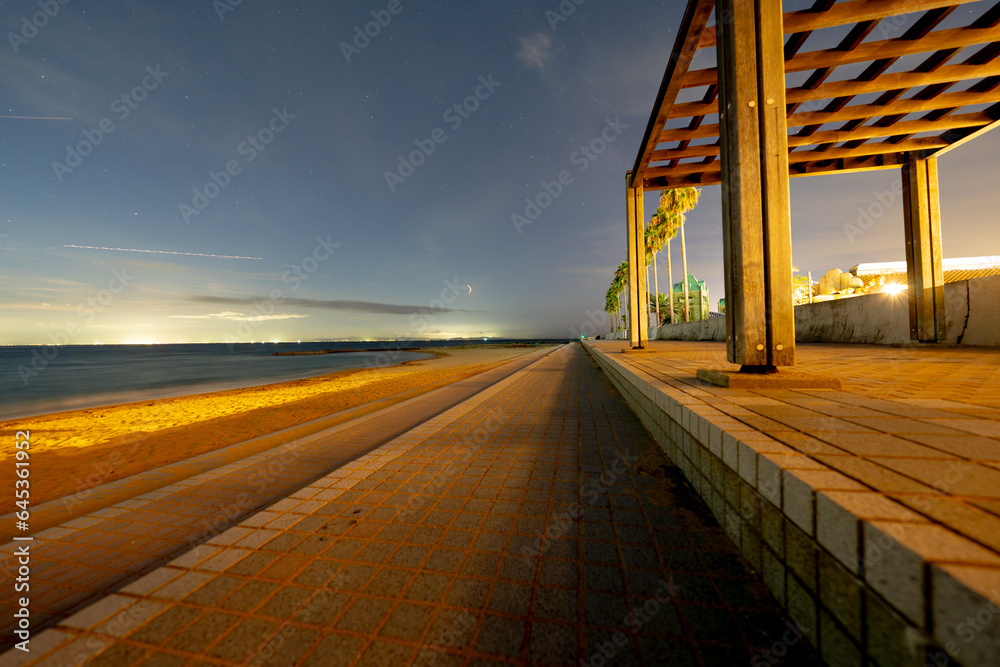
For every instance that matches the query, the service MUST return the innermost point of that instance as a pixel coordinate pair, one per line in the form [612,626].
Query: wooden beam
[854,112]
[899,107]
[687,134]
[632,259]
[636,254]
[956,137]
[640,250]
[692,25]
[742,234]
[775,198]
[798,157]
[976,123]
[971,120]
[855,36]
[954,38]
[843,13]
[946,74]
[714,177]
[922,229]
[701,150]
[753,160]
[848,165]
[871,148]
[798,39]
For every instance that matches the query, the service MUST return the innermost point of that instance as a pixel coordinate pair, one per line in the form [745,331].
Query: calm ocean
[80,376]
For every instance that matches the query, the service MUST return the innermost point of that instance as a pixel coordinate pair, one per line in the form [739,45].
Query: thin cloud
[356,306]
[237,317]
[534,50]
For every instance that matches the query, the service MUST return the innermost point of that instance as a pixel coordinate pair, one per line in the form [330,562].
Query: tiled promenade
[513,528]
[138,530]
[872,512]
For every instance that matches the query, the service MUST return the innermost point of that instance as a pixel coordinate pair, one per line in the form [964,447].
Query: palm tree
[674,204]
[613,297]
[621,282]
[615,305]
[659,302]
[612,305]
[662,228]
[655,239]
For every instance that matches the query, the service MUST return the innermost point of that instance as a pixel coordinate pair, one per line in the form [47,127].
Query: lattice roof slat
[875,131]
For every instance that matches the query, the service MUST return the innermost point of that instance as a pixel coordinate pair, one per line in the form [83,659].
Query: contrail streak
[38,117]
[160,252]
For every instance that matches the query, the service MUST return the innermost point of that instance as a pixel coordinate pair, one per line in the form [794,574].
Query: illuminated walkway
[515,527]
[130,530]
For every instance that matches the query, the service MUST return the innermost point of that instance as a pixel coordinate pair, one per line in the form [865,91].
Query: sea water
[38,380]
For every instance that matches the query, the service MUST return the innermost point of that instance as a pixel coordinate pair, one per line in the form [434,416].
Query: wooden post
[924,273]
[638,293]
[640,250]
[633,262]
[755,204]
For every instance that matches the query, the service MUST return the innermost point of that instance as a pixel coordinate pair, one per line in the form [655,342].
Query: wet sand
[77,450]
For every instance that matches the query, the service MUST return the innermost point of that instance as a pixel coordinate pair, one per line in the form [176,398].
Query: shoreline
[75,403]
[77,450]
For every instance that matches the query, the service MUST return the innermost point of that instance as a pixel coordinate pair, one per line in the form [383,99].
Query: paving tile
[98,612]
[196,502]
[450,572]
[895,554]
[965,604]
[838,516]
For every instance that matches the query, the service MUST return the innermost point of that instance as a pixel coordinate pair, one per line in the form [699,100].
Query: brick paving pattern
[514,528]
[91,555]
[872,512]
[904,419]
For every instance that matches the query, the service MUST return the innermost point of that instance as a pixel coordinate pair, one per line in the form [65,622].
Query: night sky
[265,141]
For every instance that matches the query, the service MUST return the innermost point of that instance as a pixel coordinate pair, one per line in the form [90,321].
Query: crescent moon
[470,288]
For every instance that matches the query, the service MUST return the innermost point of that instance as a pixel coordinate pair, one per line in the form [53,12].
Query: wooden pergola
[748,130]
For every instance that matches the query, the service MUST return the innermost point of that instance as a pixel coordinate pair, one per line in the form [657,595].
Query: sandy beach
[77,450]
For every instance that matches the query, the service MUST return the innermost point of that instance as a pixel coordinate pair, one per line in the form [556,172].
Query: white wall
[972,310]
